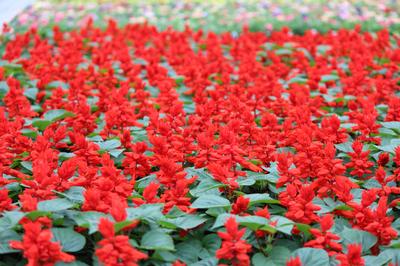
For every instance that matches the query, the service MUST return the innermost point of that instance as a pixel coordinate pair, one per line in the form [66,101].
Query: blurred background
[218,15]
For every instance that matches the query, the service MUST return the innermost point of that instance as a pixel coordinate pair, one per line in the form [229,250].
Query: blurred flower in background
[219,15]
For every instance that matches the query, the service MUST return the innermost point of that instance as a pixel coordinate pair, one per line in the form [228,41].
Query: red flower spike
[38,248]
[359,161]
[233,247]
[294,262]
[115,250]
[240,205]
[353,256]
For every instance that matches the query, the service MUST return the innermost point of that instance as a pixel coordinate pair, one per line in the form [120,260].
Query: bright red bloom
[359,160]
[234,248]
[38,248]
[294,262]
[241,205]
[323,238]
[223,174]
[353,256]
[299,204]
[17,104]
[5,201]
[178,263]
[115,250]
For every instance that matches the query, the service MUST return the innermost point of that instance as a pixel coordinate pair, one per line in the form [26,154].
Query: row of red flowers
[130,145]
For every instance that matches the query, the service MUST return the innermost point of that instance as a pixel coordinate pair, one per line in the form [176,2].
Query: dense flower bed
[130,146]
[219,15]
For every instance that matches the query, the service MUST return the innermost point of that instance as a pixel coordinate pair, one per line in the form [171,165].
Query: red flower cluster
[234,248]
[38,248]
[115,250]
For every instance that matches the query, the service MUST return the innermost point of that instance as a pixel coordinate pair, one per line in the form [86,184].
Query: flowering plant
[136,146]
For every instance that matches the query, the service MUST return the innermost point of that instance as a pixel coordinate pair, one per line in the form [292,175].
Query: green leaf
[10,219]
[394,143]
[283,224]
[252,222]
[90,219]
[57,83]
[36,214]
[206,186]
[57,114]
[377,260]
[312,256]
[246,181]
[344,147]
[5,238]
[392,255]
[54,205]
[260,260]
[75,194]
[330,77]
[118,226]
[186,222]
[27,165]
[327,205]
[115,152]
[109,144]
[29,133]
[277,256]
[151,213]
[261,198]
[145,181]
[210,243]
[221,220]
[189,250]
[391,125]
[305,228]
[271,177]
[157,240]
[31,93]
[283,51]
[210,201]
[351,236]
[41,124]
[70,240]
[206,262]
[298,80]
[166,256]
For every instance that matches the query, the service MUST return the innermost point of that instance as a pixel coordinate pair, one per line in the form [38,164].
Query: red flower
[223,174]
[5,201]
[299,203]
[17,104]
[38,248]
[353,256]
[178,263]
[115,250]
[241,205]
[359,160]
[294,262]
[233,247]
[28,203]
[323,238]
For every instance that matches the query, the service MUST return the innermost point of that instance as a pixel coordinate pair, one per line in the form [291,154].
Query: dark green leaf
[351,236]
[70,240]
[210,201]
[5,238]
[312,256]
[157,240]
[54,205]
